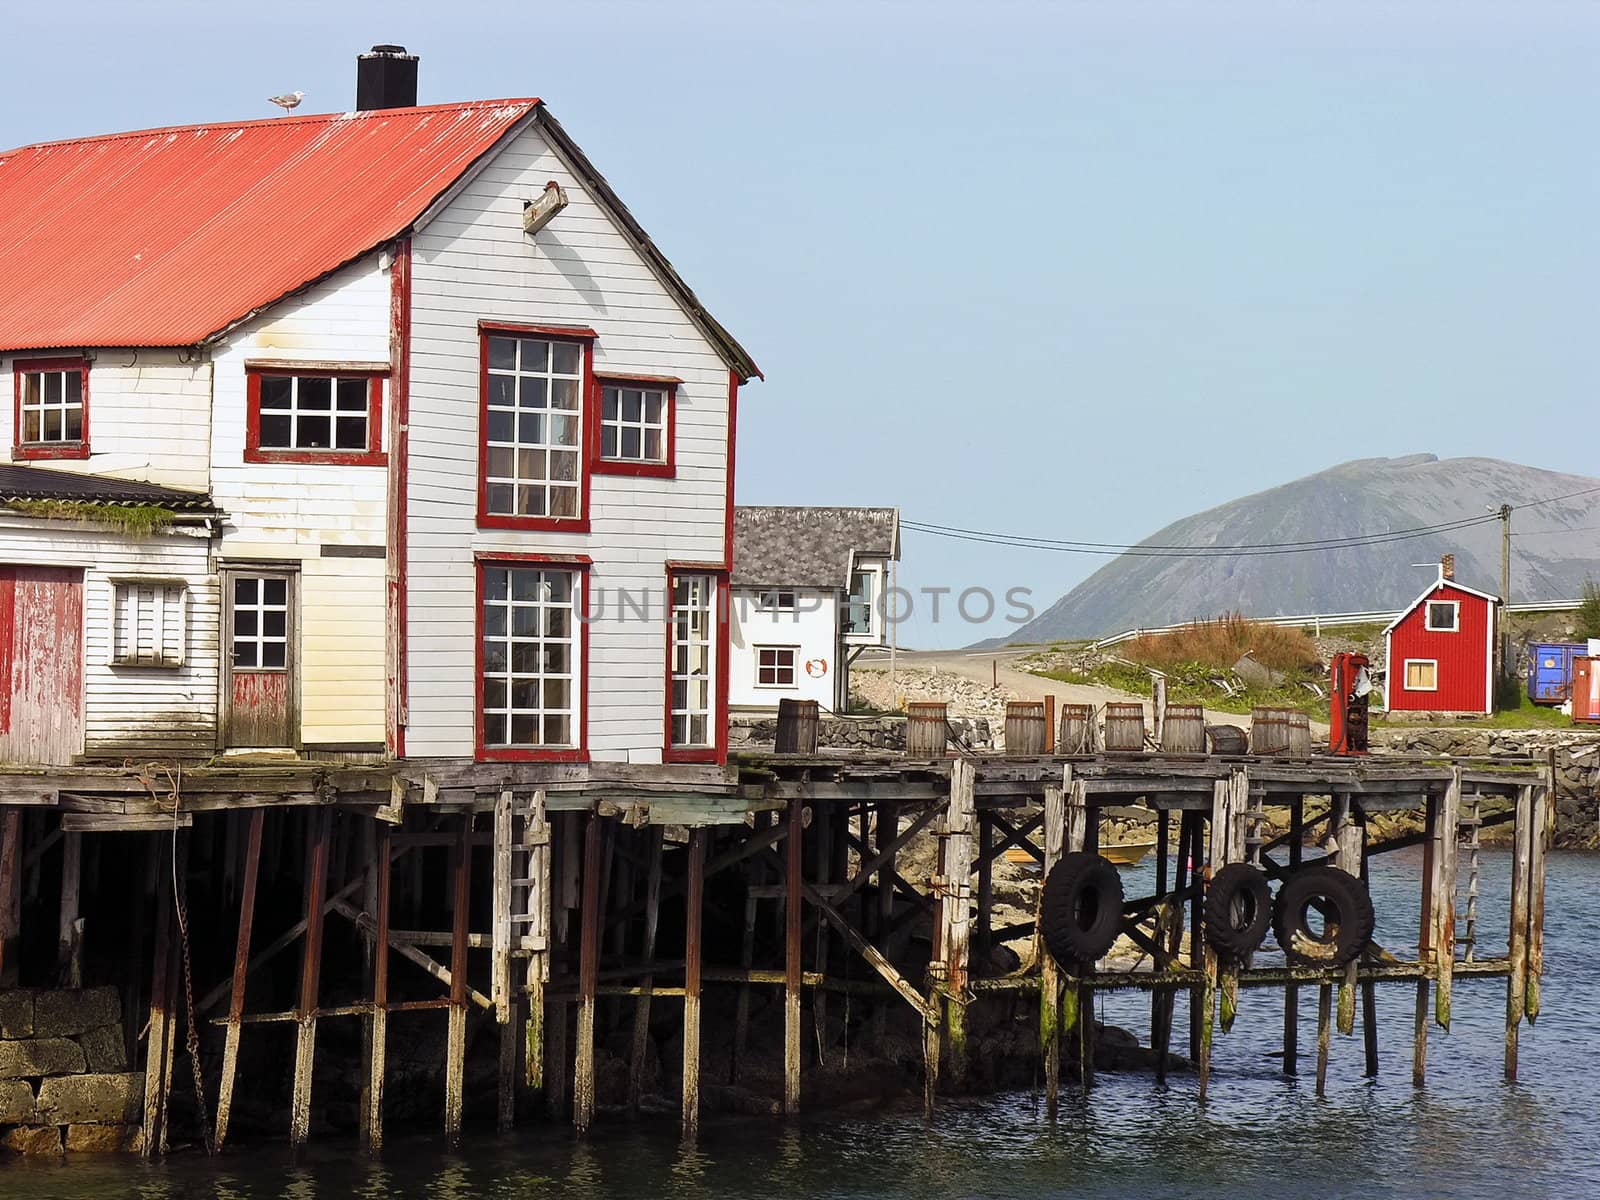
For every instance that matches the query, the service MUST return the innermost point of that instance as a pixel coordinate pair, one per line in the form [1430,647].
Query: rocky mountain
[1555,547]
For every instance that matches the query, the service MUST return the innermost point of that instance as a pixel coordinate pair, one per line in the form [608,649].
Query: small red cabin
[1440,650]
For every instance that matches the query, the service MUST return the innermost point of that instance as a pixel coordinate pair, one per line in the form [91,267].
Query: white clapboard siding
[472,263]
[149,417]
[137,712]
[288,512]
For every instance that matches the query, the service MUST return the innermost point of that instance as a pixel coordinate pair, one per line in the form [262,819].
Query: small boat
[1123,854]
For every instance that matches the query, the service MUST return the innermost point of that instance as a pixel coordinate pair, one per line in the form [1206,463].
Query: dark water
[1468,1134]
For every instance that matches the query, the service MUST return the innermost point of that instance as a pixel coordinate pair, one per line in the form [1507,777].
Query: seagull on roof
[288,100]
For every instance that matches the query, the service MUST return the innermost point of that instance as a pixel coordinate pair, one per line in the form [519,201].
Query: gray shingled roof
[808,547]
[37,483]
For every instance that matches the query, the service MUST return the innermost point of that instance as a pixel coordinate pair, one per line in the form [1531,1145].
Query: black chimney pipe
[386,77]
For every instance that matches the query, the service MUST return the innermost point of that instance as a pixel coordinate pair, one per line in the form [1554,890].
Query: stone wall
[759,731]
[1577,762]
[64,1079]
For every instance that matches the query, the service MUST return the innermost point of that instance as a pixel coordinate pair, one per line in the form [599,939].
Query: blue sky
[1066,269]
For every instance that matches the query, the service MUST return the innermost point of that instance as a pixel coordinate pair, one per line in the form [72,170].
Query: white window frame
[533,379]
[1405,674]
[541,603]
[619,424]
[259,608]
[874,631]
[1427,616]
[794,667]
[692,623]
[124,641]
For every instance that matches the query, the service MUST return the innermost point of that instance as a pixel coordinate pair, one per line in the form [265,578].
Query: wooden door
[260,687]
[41,665]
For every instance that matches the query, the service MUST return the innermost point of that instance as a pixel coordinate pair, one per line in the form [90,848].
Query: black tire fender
[1238,910]
[1348,919]
[1081,911]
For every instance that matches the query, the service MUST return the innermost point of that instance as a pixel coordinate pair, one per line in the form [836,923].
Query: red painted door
[260,687]
[41,665]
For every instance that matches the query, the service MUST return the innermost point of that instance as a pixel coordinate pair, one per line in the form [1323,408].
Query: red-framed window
[532,658]
[533,437]
[635,433]
[697,664]
[306,415]
[52,408]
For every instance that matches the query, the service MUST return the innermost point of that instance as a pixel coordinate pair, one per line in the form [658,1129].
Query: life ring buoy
[1238,909]
[1347,916]
[816,667]
[1081,912]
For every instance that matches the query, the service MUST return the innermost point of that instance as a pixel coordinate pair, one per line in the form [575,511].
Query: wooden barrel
[1184,729]
[797,727]
[1299,729]
[927,728]
[1124,726]
[1227,739]
[1025,727]
[1269,730]
[1077,729]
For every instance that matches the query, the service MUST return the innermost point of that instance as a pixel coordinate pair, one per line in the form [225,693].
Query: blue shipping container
[1550,670]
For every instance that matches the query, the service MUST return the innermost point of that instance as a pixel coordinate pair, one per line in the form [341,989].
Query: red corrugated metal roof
[166,236]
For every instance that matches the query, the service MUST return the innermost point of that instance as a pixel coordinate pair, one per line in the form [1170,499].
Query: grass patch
[1190,683]
[1220,643]
[1368,631]
[136,520]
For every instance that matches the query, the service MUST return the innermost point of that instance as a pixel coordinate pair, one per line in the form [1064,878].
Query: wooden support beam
[1444,902]
[160,1027]
[241,968]
[319,829]
[1291,992]
[588,975]
[1517,980]
[1426,931]
[501,990]
[1350,834]
[69,936]
[961,832]
[378,1022]
[641,1010]
[985,932]
[455,1051]
[792,926]
[539,894]
[1196,899]
[1543,816]
[694,896]
[1324,1035]
[1049,971]
[1082,836]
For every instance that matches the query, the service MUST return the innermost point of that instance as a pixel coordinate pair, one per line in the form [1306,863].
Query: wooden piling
[1517,943]
[10,894]
[1444,899]
[641,1010]
[160,1027]
[1049,971]
[536,842]
[693,900]
[69,936]
[793,869]
[378,1022]
[1291,992]
[1350,836]
[500,985]
[318,832]
[962,823]
[1324,1034]
[241,964]
[1426,931]
[588,976]
[1542,813]
[455,1053]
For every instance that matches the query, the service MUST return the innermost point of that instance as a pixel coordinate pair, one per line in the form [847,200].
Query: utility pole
[1505,591]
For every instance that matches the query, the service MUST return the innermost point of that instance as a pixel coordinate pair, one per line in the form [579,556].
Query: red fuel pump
[1350,691]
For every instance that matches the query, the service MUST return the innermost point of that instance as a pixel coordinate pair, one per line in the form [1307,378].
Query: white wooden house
[374,434]
[810,593]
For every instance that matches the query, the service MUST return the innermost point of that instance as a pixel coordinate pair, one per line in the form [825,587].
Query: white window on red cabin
[533,421]
[1443,616]
[775,666]
[1422,675]
[530,658]
[693,625]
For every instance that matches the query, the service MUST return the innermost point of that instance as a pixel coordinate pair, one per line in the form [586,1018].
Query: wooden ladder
[1471,821]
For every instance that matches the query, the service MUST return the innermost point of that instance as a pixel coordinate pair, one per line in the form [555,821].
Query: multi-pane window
[148,623]
[863,598]
[261,622]
[533,419]
[1422,675]
[314,415]
[693,629]
[775,666]
[633,423]
[775,602]
[531,681]
[51,404]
